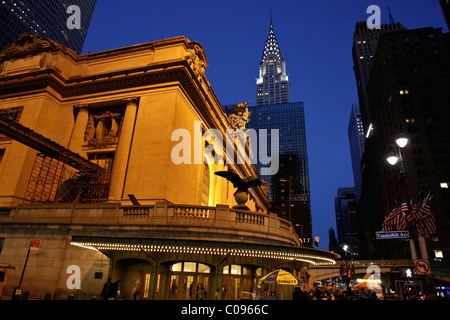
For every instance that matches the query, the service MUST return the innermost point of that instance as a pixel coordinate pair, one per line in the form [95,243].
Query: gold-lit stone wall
[170,91]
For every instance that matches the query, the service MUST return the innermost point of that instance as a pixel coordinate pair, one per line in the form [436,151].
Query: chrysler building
[272,86]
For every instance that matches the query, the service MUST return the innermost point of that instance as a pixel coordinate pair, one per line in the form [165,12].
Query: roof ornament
[240,116]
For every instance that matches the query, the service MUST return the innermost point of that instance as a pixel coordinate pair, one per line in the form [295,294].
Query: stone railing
[161,219]
[249,217]
[191,211]
[138,211]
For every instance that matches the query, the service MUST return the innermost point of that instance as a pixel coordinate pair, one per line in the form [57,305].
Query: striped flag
[423,217]
[396,220]
[426,225]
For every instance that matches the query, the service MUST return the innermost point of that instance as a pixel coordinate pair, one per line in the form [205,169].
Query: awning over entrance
[107,244]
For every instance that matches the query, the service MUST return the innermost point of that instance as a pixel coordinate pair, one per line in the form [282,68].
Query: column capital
[130,100]
[80,107]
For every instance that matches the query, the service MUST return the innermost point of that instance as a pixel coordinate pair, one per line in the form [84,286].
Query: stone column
[123,149]
[79,129]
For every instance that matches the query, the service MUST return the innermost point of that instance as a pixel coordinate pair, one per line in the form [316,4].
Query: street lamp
[393,158]
[347,266]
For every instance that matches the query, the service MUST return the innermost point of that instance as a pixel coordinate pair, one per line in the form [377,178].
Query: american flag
[397,218]
[423,217]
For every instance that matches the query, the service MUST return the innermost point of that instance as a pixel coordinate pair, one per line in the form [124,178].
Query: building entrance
[239,282]
[189,281]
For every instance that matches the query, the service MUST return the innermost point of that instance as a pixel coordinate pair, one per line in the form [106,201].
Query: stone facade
[119,109]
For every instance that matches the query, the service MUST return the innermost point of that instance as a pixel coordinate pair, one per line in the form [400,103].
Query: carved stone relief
[103,130]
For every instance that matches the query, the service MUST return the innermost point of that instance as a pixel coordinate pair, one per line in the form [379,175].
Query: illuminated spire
[272,85]
[272,47]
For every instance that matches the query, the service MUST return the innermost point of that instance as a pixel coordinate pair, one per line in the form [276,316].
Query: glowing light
[309,258]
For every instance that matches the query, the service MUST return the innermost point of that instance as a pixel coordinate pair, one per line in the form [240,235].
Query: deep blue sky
[315,37]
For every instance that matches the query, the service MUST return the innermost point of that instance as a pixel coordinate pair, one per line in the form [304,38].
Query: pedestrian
[217,295]
[116,290]
[108,290]
[173,289]
[136,288]
[202,292]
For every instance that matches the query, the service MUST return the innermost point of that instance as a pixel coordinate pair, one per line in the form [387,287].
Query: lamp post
[347,267]
[394,158]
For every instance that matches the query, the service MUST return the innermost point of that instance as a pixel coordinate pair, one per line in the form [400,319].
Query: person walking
[217,295]
[108,290]
[136,288]
[116,290]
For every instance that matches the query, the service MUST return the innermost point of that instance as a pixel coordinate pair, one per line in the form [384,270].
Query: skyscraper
[48,18]
[347,219]
[272,86]
[364,45]
[409,93]
[445,4]
[289,188]
[356,140]
[289,191]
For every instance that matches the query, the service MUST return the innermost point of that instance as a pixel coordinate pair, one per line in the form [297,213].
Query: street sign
[35,244]
[392,234]
[422,266]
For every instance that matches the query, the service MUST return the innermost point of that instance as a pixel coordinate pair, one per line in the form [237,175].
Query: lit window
[444,185]
[438,254]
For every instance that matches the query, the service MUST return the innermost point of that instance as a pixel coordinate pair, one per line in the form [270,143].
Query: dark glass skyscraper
[48,18]
[347,220]
[289,188]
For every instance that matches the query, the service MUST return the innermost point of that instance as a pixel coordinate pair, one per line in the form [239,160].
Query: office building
[47,18]
[409,93]
[364,46]
[356,139]
[289,191]
[347,221]
[445,5]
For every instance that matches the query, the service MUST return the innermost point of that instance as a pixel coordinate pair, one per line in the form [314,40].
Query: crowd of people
[349,294]
[324,294]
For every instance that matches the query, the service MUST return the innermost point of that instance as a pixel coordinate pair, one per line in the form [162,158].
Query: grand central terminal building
[89,189]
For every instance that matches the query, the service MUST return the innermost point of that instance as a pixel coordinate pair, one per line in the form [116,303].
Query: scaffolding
[58,174]
[52,180]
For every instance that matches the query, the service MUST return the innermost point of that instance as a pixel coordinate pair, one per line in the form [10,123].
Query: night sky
[315,37]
